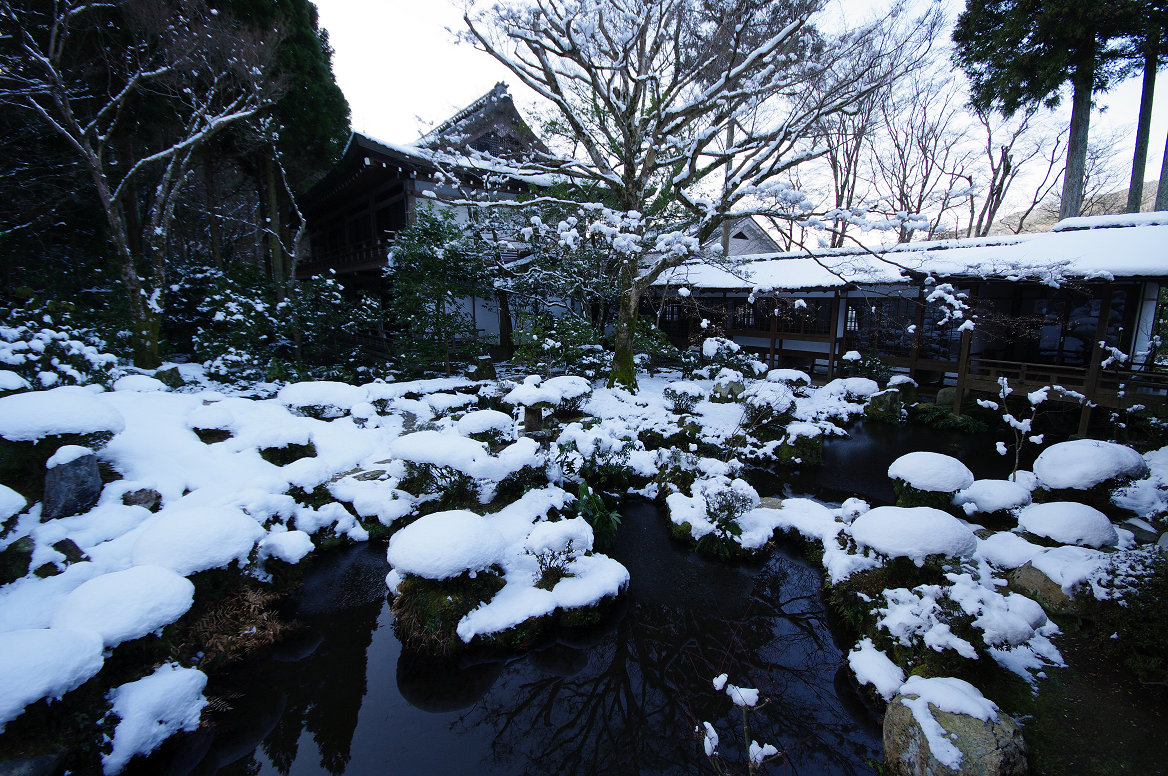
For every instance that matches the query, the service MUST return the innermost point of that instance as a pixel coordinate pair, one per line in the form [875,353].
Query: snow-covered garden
[161,503]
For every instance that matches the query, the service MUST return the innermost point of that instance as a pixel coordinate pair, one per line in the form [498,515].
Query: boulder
[72,485]
[886,406]
[171,377]
[1032,583]
[143,497]
[988,748]
[15,559]
[482,369]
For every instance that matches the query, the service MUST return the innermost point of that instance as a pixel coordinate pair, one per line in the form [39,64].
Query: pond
[342,697]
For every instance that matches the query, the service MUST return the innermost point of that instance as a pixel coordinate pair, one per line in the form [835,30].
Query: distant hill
[1043,217]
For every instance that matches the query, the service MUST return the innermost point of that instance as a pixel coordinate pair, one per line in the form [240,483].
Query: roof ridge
[498,91]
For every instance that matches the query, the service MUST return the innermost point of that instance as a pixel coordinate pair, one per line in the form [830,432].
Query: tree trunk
[1084,82]
[279,277]
[624,369]
[214,229]
[1162,188]
[506,329]
[1135,192]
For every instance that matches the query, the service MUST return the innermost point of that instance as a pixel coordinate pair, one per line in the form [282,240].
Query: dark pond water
[344,698]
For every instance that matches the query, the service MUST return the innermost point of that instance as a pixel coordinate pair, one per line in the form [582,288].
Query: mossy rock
[171,377]
[16,559]
[887,406]
[286,454]
[802,451]
[427,611]
[1098,496]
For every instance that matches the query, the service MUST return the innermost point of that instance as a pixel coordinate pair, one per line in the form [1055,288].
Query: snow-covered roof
[1099,247]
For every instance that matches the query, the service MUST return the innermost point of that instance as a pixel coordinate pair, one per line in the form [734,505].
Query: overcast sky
[399,67]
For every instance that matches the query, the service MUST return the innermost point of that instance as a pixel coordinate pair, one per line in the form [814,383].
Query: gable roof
[1101,247]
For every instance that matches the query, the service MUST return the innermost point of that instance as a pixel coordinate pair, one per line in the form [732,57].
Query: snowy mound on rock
[913,532]
[322,393]
[140,384]
[992,496]
[1084,463]
[197,539]
[483,421]
[126,604]
[70,409]
[932,472]
[1069,522]
[445,544]
[44,663]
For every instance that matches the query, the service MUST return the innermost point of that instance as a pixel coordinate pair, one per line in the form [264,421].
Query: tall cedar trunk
[1135,193]
[1162,189]
[624,369]
[506,329]
[1084,82]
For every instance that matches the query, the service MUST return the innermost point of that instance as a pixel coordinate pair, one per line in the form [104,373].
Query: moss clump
[908,496]
[801,451]
[427,611]
[941,418]
[519,482]
[282,456]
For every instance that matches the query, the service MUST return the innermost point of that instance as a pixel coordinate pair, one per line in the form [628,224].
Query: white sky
[399,67]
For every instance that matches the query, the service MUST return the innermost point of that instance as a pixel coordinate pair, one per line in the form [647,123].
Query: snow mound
[793,376]
[151,710]
[288,546]
[126,605]
[10,381]
[1007,550]
[445,544]
[66,454]
[322,393]
[1082,464]
[872,666]
[913,532]
[532,391]
[11,502]
[856,387]
[992,496]
[44,663]
[211,416]
[483,421]
[197,539]
[140,384]
[1069,522]
[945,693]
[551,537]
[569,386]
[933,472]
[70,409]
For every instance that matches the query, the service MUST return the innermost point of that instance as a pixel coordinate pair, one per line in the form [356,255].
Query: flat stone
[143,497]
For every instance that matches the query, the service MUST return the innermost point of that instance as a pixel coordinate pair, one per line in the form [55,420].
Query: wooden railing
[1106,387]
[354,258]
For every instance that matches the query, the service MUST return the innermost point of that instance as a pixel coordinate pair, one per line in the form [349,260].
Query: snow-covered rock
[485,421]
[445,544]
[913,532]
[151,710]
[992,496]
[871,666]
[931,472]
[549,537]
[126,605]
[1082,464]
[288,546]
[194,539]
[44,663]
[70,409]
[139,384]
[1069,522]
[328,399]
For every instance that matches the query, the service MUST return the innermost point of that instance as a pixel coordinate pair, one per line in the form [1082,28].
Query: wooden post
[917,330]
[1095,366]
[962,370]
[774,332]
[831,346]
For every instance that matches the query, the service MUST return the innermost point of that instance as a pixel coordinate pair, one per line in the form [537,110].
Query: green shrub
[604,521]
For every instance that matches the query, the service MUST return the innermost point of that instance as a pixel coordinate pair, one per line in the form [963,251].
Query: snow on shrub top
[913,532]
[777,396]
[126,605]
[211,416]
[482,421]
[197,539]
[153,709]
[140,384]
[445,544]
[44,663]
[932,472]
[554,537]
[322,393]
[1084,463]
[1069,522]
[712,346]
[788,376]
[686,388]
[11,502]
[468,456]
[992,496]
[533,391]
[569,386]
[70,409]
[10,381]
[288,546]
[860,387]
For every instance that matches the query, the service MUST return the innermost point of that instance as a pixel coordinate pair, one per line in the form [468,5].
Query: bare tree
[847,136]
[136,89]
[630,83]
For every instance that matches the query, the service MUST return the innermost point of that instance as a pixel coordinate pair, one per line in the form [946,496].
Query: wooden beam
[962,370]
[831,347]
[1095,366]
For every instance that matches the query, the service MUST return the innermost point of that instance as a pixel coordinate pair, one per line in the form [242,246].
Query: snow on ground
[44,663]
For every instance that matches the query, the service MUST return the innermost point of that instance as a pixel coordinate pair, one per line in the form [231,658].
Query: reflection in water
[623,699]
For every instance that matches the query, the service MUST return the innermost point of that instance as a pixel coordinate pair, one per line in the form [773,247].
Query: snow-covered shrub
[556,544]
[1086,470]
[1132,595]
[598,455]
[46,349]
[869,365]
[765,404]
[711,515]
[721,353]
[915,533]
[923,479]
[651,342]
[565,344]
[682,396]
[573,390]
[492,427]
